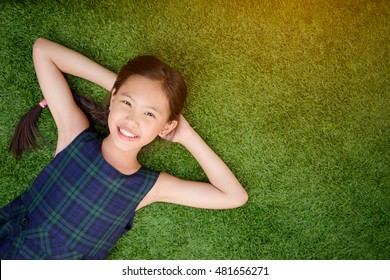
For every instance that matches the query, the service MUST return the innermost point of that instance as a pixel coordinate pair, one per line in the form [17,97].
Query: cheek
[111,121]
[152,128]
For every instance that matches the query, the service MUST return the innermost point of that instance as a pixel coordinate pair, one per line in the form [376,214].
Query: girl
[86,198]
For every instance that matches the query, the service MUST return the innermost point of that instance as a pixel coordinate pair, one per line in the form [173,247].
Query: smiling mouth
[128,134]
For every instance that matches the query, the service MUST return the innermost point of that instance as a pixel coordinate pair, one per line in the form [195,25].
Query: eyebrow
[147,106]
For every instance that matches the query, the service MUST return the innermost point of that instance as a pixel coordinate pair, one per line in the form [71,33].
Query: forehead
[145,91]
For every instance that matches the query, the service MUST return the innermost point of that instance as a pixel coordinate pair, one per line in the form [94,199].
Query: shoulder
[148,172]
[87,135]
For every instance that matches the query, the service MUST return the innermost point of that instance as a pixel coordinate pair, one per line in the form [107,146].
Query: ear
[113,94]
[168,128]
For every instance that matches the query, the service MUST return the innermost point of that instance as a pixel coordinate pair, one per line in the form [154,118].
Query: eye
[149,114]
[126,103]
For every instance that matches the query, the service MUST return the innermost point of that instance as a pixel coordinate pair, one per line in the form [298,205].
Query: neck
[125,162]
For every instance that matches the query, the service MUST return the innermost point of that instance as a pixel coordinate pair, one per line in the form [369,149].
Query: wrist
[189,137]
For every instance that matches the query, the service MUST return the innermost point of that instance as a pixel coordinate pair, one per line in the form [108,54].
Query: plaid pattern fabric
[77,208]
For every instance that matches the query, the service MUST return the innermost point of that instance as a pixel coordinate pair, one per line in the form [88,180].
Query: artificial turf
[293,95]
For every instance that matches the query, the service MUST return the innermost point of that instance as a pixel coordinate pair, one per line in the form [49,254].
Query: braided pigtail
[96,113]
[26,132]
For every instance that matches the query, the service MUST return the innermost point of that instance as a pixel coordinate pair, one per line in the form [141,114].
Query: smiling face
[139,112]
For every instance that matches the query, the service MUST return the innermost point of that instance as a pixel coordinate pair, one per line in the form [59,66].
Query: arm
[224,191]
[51,61]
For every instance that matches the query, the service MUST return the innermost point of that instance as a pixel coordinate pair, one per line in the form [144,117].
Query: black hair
[172,82]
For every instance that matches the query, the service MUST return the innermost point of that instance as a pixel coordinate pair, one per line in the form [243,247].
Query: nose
[132,120]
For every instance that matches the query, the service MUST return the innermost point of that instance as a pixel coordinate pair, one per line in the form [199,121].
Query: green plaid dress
[77,207]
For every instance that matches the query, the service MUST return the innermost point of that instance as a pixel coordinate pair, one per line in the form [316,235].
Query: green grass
[293,95]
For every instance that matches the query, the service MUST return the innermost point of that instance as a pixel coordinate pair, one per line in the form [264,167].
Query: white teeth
[127,133]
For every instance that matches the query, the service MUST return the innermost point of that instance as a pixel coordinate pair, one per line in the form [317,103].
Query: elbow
[40,46]
[243,199]
[239,200]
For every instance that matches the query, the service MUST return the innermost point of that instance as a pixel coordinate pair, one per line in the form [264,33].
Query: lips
[127,134]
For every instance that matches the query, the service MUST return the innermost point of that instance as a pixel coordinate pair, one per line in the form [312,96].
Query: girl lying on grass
[86,197]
